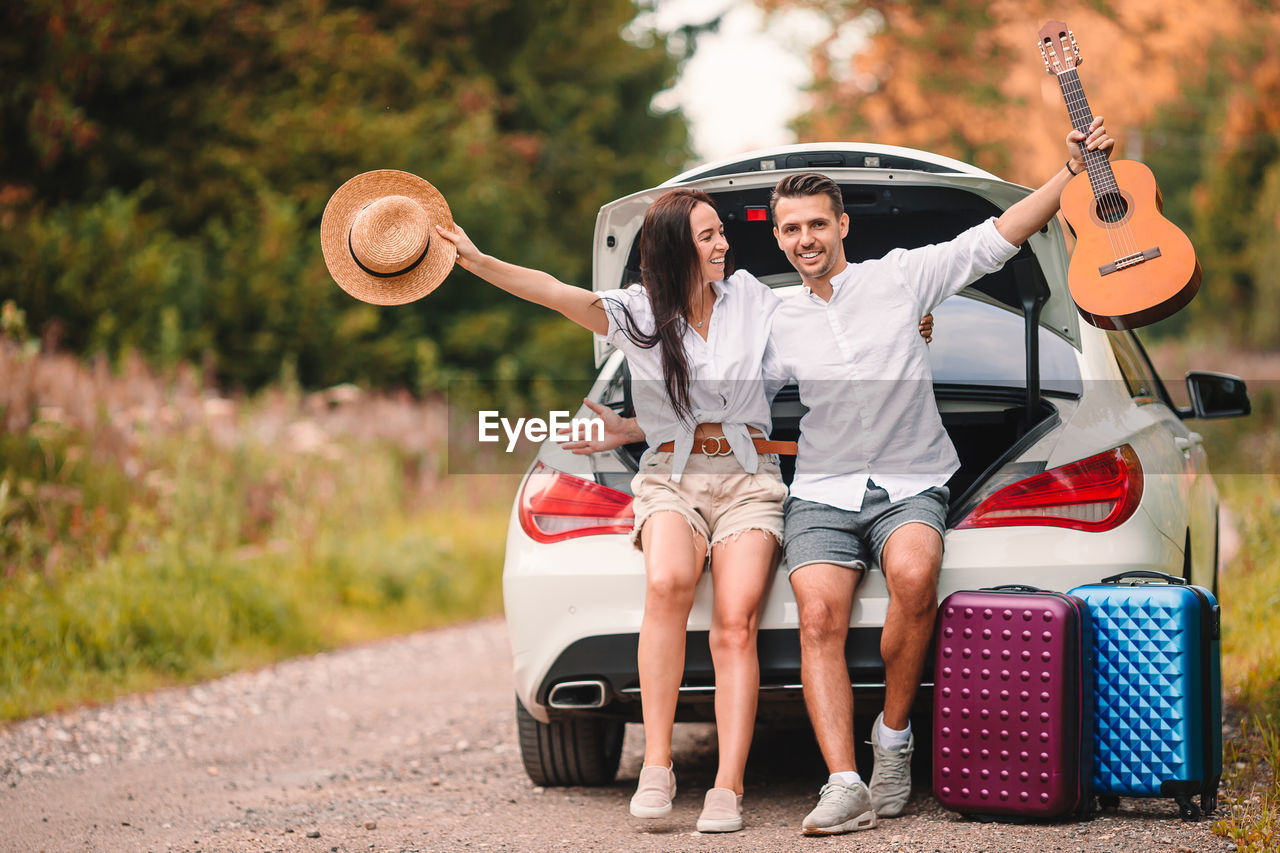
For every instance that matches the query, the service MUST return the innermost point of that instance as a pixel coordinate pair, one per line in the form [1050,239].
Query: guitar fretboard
[1101,178]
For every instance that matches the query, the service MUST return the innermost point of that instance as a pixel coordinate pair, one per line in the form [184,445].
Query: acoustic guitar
[1131,266]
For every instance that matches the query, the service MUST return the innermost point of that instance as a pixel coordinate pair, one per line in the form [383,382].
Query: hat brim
[335,228]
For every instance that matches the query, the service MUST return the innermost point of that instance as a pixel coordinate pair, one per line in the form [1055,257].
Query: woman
[707,485]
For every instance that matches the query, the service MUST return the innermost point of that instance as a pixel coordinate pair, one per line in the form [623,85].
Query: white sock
[892,738]
[845,777]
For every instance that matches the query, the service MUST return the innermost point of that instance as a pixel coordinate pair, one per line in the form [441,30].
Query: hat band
[407,269]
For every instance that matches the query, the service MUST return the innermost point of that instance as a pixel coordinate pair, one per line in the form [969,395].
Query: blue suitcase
[1157,690]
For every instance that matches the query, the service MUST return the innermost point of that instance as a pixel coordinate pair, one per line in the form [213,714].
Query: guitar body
[1148,290]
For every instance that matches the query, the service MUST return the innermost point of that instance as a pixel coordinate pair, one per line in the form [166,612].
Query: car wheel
[582,751]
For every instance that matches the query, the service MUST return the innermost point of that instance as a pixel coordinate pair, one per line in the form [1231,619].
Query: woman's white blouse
[725,385]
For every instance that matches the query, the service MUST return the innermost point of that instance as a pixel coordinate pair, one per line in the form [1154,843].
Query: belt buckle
[722,446]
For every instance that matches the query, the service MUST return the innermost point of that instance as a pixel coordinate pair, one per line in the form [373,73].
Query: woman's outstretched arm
[579,305]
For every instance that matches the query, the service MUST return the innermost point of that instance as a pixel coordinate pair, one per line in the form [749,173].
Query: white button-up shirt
[725,385]
[864,373]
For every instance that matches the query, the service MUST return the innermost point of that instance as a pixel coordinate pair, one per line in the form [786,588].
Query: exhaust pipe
[577,695]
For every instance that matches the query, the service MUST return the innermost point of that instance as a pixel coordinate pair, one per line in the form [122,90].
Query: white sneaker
[841,808]
[891,776]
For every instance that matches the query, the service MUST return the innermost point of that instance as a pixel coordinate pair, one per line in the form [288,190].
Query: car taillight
[1094,494]
[555,506]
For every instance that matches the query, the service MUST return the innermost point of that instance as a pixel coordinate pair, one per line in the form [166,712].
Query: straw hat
[379,239]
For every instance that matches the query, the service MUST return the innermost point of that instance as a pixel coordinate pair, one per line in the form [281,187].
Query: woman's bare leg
[741,569]
[673,559]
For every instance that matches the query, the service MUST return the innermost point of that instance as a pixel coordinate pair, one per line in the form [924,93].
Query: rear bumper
[611,660]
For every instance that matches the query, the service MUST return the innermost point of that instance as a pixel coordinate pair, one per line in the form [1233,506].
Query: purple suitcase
[1012,709]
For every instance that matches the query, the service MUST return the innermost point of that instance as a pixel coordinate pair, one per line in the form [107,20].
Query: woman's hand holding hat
[468,255]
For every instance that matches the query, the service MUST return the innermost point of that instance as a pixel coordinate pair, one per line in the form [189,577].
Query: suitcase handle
[1146,573]
[1016,587]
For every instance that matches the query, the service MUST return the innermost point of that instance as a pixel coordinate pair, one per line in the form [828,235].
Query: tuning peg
[1044,54]
[1075,48]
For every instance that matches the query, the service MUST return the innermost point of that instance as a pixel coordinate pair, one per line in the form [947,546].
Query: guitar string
[1103,201]
[1109,199]
[1081,119]
[1106,189]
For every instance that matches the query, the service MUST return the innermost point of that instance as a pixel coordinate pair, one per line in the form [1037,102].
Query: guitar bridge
[1129,261]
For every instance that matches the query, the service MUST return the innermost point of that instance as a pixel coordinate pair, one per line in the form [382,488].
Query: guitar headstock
[1058,47]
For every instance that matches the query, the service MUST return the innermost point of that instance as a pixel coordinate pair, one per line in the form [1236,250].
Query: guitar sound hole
[1112,207]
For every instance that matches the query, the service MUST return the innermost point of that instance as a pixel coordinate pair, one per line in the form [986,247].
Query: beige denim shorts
[716,497]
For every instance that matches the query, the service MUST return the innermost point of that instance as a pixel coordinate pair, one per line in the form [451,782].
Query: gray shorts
[821,533]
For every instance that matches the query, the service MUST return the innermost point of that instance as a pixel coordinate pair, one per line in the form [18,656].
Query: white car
[1075,463]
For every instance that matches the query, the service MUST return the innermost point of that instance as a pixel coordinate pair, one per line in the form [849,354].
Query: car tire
[581,751]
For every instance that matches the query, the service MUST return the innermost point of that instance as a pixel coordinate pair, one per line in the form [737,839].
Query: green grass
[1250,596]
[152,533]
[1250,587]
[179,612]
[1250,771]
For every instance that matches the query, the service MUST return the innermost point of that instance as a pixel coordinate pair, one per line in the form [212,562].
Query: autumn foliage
[1191,88]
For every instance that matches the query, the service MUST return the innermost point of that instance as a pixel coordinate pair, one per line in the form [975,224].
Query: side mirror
[1215,395]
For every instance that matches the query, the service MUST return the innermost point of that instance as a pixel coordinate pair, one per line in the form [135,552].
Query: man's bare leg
[912,558]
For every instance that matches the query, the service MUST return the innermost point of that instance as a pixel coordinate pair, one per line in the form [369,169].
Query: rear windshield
[977,343]
[880,218]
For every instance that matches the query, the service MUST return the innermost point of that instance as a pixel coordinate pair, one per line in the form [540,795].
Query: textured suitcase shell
[1158,692]
[1011,712]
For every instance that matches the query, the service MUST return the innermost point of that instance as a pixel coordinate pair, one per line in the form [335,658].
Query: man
[873,459]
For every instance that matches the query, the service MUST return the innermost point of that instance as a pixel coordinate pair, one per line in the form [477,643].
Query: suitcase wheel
[1209,801]
[1108,801]
[1189,811]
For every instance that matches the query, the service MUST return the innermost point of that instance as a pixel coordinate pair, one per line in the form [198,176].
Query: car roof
[828,155]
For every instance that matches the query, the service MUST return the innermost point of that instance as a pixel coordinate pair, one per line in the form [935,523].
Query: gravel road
[409,745]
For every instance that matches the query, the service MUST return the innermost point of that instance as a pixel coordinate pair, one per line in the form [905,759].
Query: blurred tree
[965,77]
[1235,205]
[1186,86]
[178,154]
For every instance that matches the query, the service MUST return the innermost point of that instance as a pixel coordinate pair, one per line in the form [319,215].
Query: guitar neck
[1101,177]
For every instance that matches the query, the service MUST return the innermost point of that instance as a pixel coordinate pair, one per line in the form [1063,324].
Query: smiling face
[811,235]
[708,242]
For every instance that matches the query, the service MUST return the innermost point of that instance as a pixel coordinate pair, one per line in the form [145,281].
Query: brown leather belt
[718,445]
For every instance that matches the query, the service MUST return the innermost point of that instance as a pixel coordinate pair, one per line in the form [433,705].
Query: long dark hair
[669,271]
